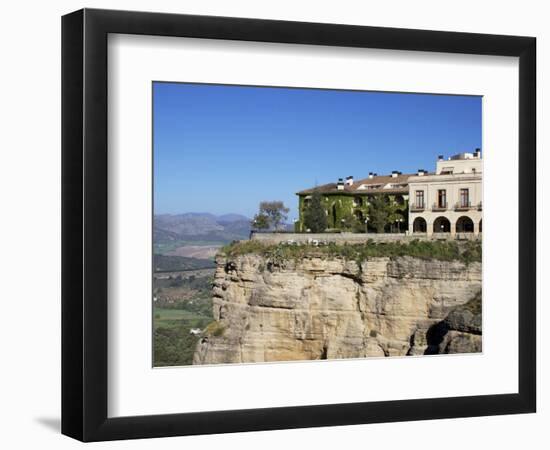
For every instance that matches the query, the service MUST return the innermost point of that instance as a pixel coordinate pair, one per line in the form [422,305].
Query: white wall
[30,186]
[460,165]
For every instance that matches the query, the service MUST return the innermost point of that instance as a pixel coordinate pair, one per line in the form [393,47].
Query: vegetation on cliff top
[467,252]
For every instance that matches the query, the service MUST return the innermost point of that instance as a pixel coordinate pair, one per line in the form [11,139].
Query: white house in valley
[448,201]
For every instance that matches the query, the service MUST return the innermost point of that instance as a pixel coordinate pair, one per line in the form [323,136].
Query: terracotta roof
[383,180]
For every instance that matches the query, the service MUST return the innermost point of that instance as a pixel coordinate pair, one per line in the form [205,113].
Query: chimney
[340,185]
[421,172]
[371,175]
[394,173]
[477,153]
[440,157]
[349,180]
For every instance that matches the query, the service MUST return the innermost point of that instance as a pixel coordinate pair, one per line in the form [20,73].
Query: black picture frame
[84,224]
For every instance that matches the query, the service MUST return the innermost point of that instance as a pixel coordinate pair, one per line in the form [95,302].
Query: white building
[448,201]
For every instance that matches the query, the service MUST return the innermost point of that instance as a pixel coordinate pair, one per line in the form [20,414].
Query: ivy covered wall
[348,212]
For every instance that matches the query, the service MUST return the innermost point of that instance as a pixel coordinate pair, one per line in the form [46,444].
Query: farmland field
[182,303]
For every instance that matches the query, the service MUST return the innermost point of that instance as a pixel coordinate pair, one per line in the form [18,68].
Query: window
[441,198]
[419,199]
[464,197]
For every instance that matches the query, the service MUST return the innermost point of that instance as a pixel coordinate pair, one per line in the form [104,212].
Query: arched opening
[480,225]
[442,225]
[464,225]
[419,225]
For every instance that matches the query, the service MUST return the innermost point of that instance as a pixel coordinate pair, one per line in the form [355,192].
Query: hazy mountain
[227,218]
[200,227]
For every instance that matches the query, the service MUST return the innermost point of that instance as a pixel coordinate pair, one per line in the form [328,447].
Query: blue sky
[223,149]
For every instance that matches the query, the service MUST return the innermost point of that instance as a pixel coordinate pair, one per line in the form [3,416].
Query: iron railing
[417,207]
[463,206]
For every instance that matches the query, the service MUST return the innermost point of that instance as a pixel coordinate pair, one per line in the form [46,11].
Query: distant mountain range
[195,227]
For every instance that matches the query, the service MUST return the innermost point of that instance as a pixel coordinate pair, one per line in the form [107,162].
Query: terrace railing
[463,206]
[416,207]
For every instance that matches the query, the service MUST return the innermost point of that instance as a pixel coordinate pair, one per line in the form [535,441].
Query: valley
[182,302]
[184,247]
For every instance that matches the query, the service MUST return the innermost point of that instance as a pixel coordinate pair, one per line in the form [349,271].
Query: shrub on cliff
[214,329]
[440,250]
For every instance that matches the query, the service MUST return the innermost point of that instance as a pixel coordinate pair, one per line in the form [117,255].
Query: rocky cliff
[326,308]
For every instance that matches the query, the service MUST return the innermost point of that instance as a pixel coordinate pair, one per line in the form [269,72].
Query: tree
[315,217]
[350,222]
[260,222]
[379,212]
[270,216]
[396,214]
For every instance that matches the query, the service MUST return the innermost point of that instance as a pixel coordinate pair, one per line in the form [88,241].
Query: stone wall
[354,238]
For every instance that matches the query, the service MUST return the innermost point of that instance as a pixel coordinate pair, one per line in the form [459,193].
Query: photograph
[303,224]
[259,225]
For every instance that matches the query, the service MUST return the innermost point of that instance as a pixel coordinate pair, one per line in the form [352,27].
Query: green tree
[260,221]
[349,222]
[315,217]
[272,215]
[379,212]
[396,213]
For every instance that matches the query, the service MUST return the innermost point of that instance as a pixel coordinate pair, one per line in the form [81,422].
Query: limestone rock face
[333,308]
[459,332]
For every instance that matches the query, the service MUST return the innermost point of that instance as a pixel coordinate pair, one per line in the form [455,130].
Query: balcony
[463,206]
[417,207]
[439,207]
